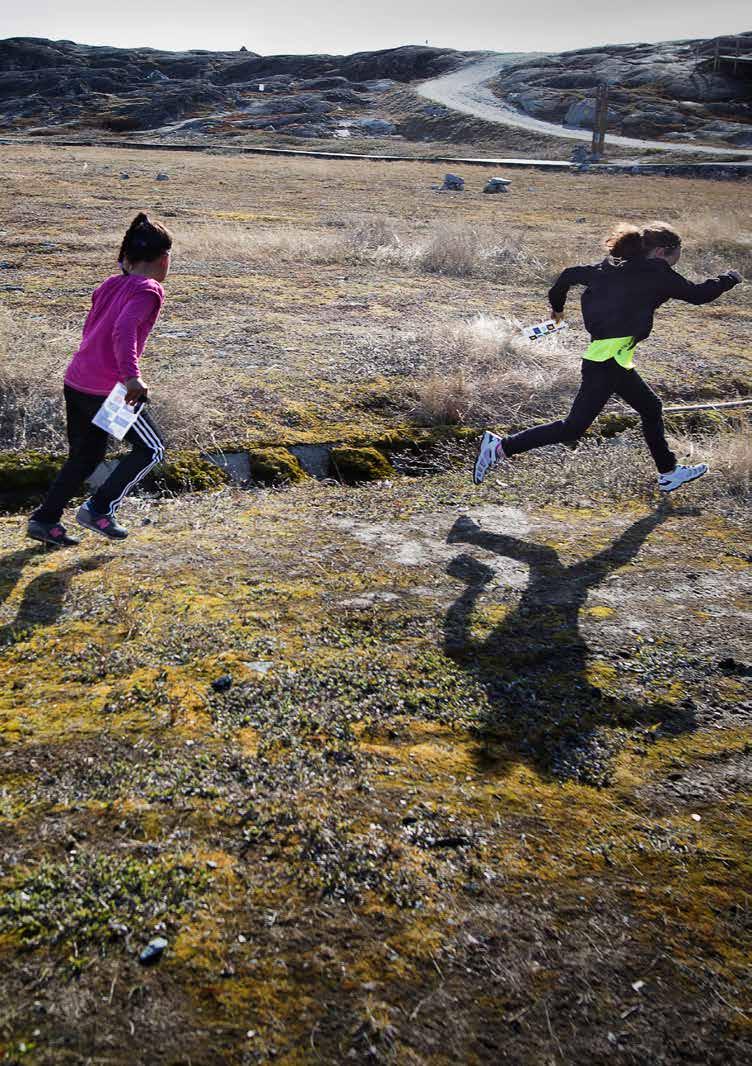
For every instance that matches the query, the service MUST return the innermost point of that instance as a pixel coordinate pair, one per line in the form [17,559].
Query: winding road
[467,90]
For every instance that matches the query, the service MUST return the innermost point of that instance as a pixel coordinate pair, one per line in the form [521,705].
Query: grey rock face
[653,87]
[376,127]
[50,82]
[582,114]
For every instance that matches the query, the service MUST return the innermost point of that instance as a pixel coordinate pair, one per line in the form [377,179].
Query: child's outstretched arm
[557,294]
[703,292]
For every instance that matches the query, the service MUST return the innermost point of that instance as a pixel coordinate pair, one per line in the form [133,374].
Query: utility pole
[600,122]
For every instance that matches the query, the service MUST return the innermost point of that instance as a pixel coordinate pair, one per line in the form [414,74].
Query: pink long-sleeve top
[123,312]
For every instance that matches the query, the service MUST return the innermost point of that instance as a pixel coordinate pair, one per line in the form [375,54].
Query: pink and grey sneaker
[99,523]
[680,475]
[490,453]
[53,533]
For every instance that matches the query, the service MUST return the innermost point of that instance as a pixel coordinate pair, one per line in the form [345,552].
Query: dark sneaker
[53,534]
[100,523]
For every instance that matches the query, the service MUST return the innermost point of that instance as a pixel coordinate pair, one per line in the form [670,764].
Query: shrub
[483,368]
[453,249]
[33,355]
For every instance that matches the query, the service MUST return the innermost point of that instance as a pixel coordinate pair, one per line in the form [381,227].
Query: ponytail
[625,242]
[660,235]
[629,242]
[144,241]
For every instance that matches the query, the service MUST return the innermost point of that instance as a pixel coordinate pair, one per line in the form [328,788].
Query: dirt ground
[413,772]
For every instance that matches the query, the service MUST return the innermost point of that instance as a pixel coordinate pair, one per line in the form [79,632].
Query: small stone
[496,185]
[260,666]
[453,183]
[222,684]
[695,817]
[638,985]
[211,864]
[124,176]
[163,177]
[153,951]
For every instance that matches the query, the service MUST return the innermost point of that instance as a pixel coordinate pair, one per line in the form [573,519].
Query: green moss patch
[28,471]
[355,465]
[91,899]
[188,471]
[275,466]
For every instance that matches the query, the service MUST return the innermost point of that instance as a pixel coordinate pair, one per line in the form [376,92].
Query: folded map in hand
[533,333]
[115,416]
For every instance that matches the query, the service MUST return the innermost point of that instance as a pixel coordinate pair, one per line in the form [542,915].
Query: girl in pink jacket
[123,311]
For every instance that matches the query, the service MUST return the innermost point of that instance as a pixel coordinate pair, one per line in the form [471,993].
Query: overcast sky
[343,26]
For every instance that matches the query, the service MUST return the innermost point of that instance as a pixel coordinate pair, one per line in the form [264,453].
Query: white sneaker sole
[486,457]
[687,480]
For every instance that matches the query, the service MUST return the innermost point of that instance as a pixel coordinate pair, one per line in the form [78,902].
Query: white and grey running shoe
[490,453]
[680,475]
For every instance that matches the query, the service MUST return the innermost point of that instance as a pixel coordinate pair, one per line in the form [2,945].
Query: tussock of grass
[483,368]
[33,354]
[729,455]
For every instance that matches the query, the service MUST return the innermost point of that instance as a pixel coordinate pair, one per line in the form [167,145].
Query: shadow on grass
[44,596]
[543,708]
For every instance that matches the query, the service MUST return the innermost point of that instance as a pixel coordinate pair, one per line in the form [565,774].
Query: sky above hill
[343,26]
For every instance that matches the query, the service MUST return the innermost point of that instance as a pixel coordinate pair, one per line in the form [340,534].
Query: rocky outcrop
[49,83]
[655,89]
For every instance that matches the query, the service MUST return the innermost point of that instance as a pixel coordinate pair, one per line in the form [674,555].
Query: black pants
[87,447]
[600,381]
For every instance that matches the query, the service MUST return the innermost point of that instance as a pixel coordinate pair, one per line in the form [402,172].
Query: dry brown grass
[455,249]
[729,455]
[301,289]
[33,355]
[483,368]
[719,241]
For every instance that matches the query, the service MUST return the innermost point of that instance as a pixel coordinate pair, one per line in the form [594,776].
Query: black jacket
[622,295]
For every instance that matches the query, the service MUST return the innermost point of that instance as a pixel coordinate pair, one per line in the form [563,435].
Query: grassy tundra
[479,790]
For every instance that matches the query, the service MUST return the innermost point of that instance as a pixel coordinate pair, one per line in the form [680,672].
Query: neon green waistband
[619,348]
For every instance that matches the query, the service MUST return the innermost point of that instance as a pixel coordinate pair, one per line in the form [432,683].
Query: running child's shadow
[542,705]
[44,596]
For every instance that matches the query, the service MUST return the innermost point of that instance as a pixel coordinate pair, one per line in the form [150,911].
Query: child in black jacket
[621,296]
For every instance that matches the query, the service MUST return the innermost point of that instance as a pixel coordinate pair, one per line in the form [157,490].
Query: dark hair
[629,242]
[144,241]
[660,235]
[625,242]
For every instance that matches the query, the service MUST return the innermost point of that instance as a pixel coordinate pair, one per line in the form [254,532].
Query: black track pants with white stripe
[87,448]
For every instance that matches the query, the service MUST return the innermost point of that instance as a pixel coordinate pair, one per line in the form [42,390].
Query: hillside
[59,84]
[667,92]
[671,90]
